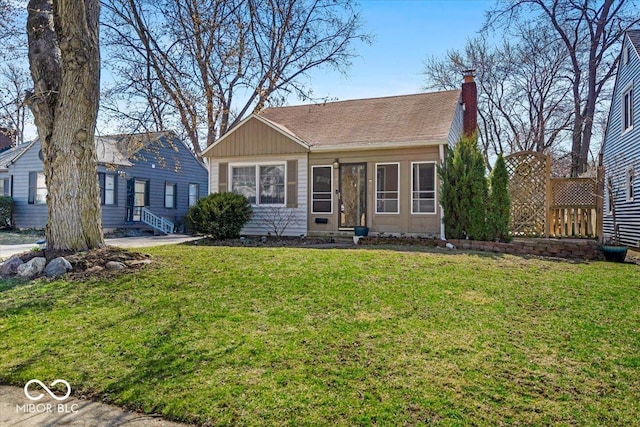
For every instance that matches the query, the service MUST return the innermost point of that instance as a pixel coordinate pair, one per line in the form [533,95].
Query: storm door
[353,195]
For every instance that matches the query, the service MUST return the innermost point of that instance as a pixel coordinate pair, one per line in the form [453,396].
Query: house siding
[456,126]
[621,151]
[27,215]
[164,160]
[424,224]
[255,138]
[256,226]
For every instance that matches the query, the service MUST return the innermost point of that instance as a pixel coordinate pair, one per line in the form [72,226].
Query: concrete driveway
[122,242]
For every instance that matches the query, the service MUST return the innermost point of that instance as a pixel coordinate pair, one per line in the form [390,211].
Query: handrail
[159,223]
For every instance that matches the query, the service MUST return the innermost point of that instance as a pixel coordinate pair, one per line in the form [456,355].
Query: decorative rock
[450,246]
[115,265]
[57,267]
[32,268]
[136,262]
[10,266]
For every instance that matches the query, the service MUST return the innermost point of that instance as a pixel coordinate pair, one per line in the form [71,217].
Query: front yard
[271,336]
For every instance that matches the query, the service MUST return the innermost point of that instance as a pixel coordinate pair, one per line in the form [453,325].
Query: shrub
[464,191]
[219,215]
[499,202]
[6,211]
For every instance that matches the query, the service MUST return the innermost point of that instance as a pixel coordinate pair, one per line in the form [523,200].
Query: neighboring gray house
[621,148]
[146,181]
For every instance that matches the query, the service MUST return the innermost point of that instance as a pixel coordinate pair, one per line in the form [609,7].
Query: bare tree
[14,83]
[522,90]
[65,68]
[590,31]
[212,62]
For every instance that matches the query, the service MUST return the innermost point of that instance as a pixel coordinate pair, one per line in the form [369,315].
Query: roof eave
[378,146]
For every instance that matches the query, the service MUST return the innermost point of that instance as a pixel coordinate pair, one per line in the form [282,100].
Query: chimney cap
[469,75]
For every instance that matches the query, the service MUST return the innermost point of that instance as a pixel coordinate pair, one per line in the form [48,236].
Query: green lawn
[265,336]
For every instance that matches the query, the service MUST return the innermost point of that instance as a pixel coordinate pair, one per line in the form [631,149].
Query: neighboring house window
[37,188]
[631,175]
[243,181]
[261,184]
[423,195]
[625,55]
[387,187]
[321,191]
[107,189]
[627,109]
[5,187]
[193,194]
[170,195]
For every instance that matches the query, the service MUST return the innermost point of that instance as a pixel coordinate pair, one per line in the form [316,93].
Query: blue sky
[406,33]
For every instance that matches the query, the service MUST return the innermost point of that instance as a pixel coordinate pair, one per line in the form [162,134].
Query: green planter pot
[361,231]
[614,253]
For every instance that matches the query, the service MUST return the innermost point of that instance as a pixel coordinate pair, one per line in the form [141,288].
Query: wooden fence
[554,207]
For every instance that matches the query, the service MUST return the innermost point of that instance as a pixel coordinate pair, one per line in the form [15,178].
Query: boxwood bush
[6,211]
[219,215]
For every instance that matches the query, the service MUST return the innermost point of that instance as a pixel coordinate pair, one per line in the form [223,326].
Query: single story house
[146,181]
[621,148]
[324,169]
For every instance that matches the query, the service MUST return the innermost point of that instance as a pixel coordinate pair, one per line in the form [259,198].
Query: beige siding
[403,222]
[255,138]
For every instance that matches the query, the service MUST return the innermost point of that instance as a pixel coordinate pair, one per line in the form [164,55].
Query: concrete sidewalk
[123,242]
[18,410]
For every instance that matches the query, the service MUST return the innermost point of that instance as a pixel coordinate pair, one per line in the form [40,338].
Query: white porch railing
[156,222]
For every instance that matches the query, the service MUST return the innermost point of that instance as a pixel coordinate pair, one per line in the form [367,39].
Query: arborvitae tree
[464,191]
[499,202]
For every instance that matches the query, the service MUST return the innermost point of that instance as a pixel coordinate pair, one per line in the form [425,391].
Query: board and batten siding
[27,215]
[621,152]
[256,225]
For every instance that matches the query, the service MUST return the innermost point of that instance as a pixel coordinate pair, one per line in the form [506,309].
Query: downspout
[442,236]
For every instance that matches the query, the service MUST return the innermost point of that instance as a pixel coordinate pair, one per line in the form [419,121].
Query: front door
[353,195]
[137,198]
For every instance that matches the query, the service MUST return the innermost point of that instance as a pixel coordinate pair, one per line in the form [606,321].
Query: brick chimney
[469,104]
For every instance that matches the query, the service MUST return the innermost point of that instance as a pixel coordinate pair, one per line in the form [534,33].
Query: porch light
[336,164]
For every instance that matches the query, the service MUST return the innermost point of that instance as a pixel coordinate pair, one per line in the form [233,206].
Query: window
[5,187]
[193,194]
[107,188]
[272,185]
[387,187]
[37,188]
[170,195]
[271,180]
[423,195]
[625,55]
[321,191]
[631,175]
[627,109]
[243,181]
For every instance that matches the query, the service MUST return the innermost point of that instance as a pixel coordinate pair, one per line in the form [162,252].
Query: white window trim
[435,189]
[332,189]
[257,166]
[630,176]
[113,190]
[174,205]
[376,188]
[197,187]
[627,89]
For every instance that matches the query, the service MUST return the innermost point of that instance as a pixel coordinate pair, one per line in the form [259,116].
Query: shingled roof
[425,117]
[634,36]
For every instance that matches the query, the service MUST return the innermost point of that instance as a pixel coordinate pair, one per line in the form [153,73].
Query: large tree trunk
[65,66]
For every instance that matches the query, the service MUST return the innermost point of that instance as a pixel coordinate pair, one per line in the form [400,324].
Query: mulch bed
[84,263]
